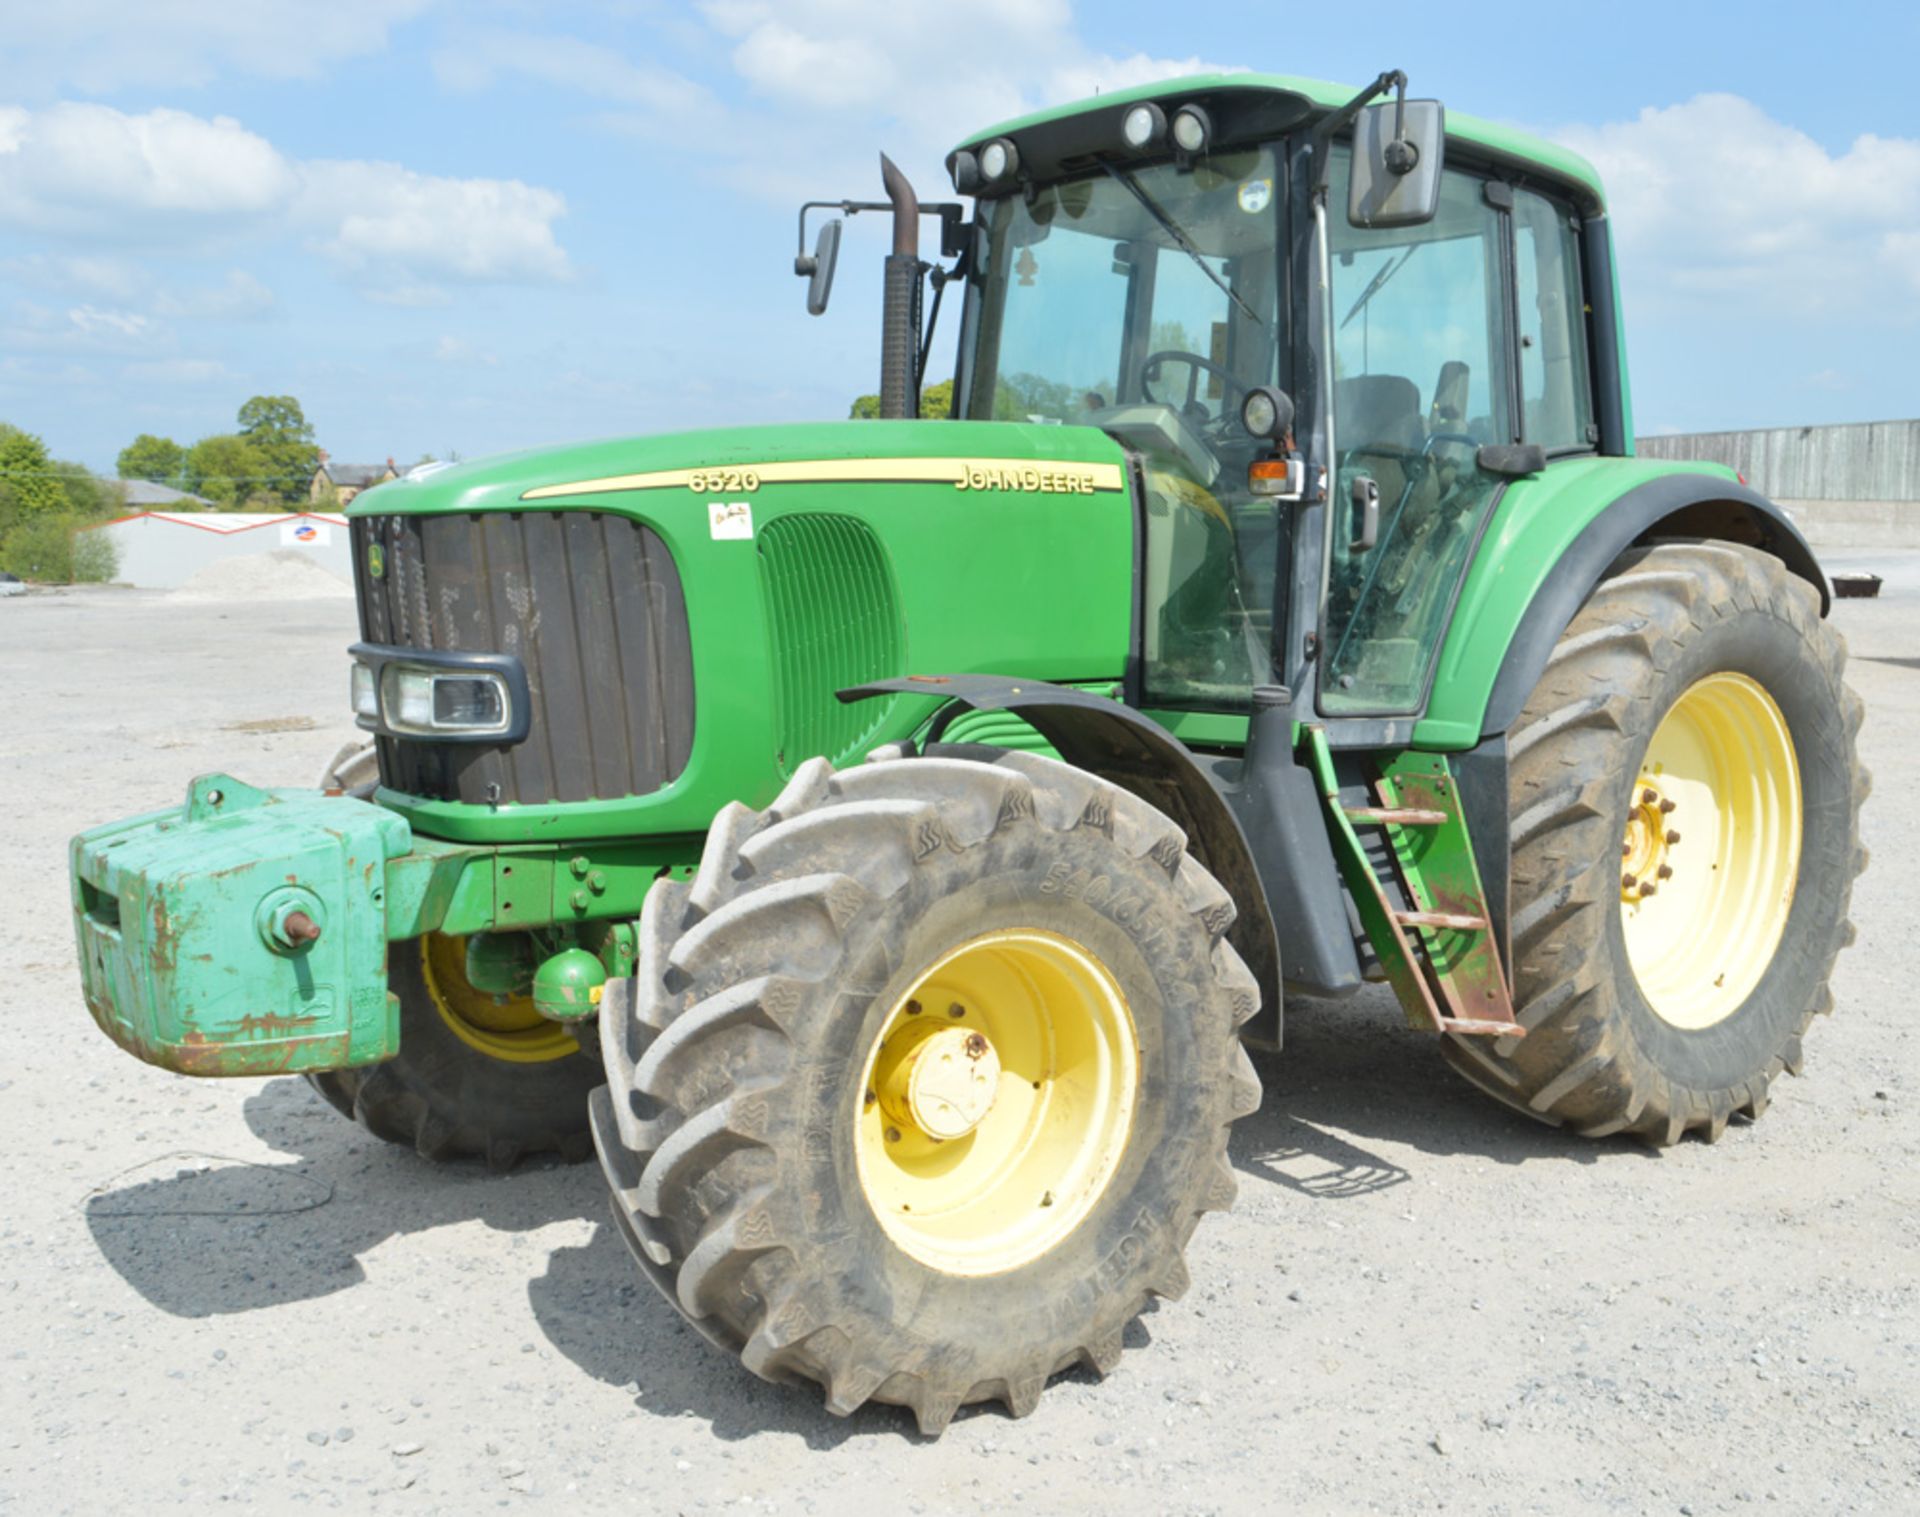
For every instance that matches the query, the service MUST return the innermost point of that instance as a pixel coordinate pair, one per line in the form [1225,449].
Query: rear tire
[1678,1037]
[747,1130]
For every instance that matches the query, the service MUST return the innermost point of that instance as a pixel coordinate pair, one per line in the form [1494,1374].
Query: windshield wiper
[1379,283]
[1181,241]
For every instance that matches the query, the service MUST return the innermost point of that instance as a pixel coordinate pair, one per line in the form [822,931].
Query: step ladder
[1435,944]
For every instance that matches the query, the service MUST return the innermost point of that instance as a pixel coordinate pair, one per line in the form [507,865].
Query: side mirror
[818,269]
[1398,152]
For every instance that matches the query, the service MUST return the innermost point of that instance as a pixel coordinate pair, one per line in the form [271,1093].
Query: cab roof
[1064,138]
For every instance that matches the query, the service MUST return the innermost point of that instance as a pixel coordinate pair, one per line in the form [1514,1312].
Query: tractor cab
[1419,311]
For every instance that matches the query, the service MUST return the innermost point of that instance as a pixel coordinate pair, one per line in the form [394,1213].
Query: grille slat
[590,603]
[834,620]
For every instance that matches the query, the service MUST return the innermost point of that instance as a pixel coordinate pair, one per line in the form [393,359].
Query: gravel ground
[221,1292]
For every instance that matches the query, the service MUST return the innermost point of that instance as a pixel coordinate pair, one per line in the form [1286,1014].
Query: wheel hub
[940,1081]
[1711,851]
[1651,837]
[997,1102]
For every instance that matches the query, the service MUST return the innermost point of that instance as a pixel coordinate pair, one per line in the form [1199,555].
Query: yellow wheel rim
[501,1027]
[997,1101]
[1712,851]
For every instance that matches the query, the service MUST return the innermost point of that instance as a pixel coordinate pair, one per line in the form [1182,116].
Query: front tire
[475,1077]
[1685,822]
[799,1171]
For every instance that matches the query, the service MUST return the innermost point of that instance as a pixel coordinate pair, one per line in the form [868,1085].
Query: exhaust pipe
[900,315]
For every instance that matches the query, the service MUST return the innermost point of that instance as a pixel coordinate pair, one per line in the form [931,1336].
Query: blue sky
[491,225]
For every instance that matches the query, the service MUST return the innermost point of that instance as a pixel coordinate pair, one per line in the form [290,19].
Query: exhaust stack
[900,314]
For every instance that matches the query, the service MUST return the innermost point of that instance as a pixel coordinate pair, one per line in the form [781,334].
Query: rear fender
[1552,540]
[1677,505]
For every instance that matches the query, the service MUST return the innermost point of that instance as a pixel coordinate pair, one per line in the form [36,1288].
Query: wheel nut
[1672,836]
[1665,807]
[956,1010]
[1629,881]
[1649,888]
[893,1135]
[1649,795]
[913,1008]
[1666,871]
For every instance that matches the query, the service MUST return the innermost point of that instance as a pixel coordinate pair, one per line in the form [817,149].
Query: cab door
[1424,374]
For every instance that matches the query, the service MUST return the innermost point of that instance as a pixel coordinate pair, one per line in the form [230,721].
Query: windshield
[1145,301]
[1079,288]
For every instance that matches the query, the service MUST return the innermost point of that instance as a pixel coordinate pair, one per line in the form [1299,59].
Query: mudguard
[1139,755]
[1553,540]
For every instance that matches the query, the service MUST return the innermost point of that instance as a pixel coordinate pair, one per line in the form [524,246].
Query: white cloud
[91,169]
[1714,201]
[107,278]
[90,173]
[589,69]
[177,371]
[94,322]
[823,83]
[238,297]
[389,221]
[101,45]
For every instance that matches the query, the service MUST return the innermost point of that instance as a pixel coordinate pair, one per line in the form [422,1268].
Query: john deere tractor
[882,839]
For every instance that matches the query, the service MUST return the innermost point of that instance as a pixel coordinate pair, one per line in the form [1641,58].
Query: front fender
[1139,755]
[1552,541]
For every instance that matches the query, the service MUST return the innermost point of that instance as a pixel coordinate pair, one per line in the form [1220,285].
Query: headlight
[366,699]
[1267,412]
[1144,125]
[1191,129]
[998,159]
[428,702]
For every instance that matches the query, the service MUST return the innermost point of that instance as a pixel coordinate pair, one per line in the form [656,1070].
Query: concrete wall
[161,550]
[1850,486]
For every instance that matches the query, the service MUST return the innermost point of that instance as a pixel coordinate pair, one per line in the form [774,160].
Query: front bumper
[182,919]
[181,916]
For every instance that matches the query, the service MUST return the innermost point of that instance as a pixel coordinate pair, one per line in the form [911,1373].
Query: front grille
[589,602]
[835,622]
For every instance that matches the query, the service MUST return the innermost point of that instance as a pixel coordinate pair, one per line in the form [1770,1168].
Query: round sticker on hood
[1256,195]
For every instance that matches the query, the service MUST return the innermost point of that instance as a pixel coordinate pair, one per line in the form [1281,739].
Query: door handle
[1365,497]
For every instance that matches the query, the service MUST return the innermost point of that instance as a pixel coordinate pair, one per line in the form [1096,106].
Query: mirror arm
[1323,133]
[951,213]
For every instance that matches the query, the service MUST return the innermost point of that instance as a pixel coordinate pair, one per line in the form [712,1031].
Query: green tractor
[880,839]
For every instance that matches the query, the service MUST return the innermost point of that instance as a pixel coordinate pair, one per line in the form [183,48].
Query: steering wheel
[1234,390]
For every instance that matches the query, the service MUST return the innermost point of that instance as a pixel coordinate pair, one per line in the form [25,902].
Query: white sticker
[1256,195]
[731,520]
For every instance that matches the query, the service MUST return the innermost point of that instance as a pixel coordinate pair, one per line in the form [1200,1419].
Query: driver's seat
[1377,410]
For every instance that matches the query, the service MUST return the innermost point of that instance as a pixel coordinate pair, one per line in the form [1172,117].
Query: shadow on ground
[202,1236]
[1355,1066]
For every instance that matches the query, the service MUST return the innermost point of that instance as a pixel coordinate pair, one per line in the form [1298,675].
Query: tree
[282,439]
[26,476]
[229,470]
[275,419]
[159,459]
[56,548]
[936,404]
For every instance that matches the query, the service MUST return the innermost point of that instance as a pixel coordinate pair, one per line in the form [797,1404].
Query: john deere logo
[376,560]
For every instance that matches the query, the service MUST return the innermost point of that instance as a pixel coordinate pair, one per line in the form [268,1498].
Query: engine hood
[1010,456]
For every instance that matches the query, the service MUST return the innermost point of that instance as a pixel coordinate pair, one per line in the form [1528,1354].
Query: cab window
[1556,386]
[1422,340]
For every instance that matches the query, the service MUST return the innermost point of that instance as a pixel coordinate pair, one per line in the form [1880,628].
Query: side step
[1439,953]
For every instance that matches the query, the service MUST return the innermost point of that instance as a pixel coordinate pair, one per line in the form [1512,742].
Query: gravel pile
[281,574]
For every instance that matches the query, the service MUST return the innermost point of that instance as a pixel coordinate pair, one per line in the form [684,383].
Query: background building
[162,549]
[1848,486]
